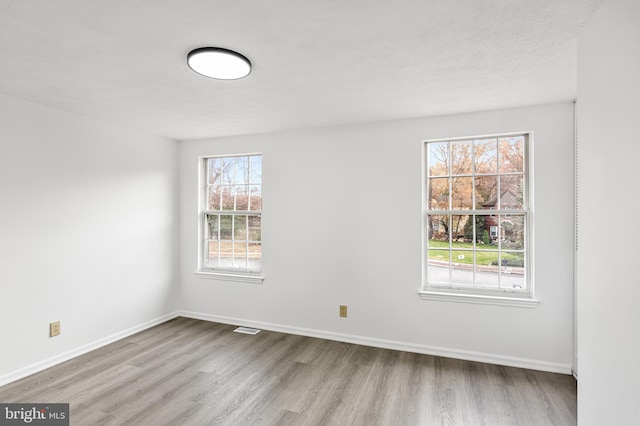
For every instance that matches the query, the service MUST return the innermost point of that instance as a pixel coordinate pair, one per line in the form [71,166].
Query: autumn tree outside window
[477,216]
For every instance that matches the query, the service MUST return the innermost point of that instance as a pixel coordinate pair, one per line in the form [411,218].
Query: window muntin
[232,214]
[476,214]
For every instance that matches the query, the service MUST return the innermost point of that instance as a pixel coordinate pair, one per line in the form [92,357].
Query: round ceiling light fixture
[219,63]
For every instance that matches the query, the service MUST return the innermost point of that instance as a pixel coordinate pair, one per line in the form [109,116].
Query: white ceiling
[316,63]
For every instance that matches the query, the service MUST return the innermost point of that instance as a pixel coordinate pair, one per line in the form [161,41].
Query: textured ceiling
[316,63]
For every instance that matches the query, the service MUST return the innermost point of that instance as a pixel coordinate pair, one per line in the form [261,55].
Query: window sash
[504,267]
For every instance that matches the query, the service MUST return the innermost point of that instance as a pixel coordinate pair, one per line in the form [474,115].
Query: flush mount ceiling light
[219,63]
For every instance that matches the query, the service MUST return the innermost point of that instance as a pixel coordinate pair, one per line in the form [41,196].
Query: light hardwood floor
[190,372]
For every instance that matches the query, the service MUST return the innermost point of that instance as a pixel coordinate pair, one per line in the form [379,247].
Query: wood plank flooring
[190,372]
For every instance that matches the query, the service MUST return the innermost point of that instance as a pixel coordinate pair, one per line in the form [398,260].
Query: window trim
[223,274]
[486,296]
[466,296]
[219,275]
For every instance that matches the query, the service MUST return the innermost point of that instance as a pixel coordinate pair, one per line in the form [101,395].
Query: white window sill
[224,276]
[483,299]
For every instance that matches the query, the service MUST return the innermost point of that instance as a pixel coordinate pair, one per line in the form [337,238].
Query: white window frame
[466,294]
[219,273]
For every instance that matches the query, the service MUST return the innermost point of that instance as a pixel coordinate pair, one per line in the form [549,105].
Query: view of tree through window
[477,213]
[232,213]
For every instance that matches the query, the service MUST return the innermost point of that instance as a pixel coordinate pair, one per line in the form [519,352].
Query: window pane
[240,227]
[226,174]
[461,193]
[240,254]
[212,226]
[462,250]
[226,258]
[242,170]
[487,231]
[438,159]
[486,192]
[487,266]
[462,267]
[462,231]
[439,194]
[214,198]
[438,266]
[512,271]
[512,232]
[211,257]
[225,227]
[511,154]
[254,261]
[487,258]
[461,160]
[227,196]
[255,195]
[214,170]
[511,192]
[242,197]
[486,156]
[255,231]
[256,169]
[438,231]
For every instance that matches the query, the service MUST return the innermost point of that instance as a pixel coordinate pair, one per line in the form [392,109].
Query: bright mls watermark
[34,414]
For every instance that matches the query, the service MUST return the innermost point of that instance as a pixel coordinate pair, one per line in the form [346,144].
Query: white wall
[89,236]
[88,231]
[342,225]
[608,280]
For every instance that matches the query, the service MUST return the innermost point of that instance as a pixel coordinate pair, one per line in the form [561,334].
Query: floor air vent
[246,330]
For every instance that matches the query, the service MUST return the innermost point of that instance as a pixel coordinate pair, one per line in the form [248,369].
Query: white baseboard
[65,356]
[531,364]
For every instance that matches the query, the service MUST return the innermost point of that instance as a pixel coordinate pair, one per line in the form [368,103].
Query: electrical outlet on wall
[343,311]
[54,329]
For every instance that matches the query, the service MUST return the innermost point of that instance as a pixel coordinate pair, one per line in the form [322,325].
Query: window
[231,216]
[477,218]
